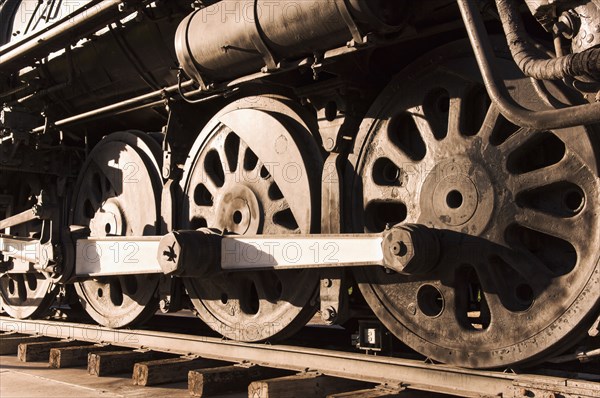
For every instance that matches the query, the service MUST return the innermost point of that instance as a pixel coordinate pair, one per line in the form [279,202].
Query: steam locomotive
[432,165]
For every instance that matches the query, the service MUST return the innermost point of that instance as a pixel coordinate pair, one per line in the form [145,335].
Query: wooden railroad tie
[227,379]
[386,392]
[40,351]
[9,343]
[303,385]
[171,370]
[116,362]
[69,357]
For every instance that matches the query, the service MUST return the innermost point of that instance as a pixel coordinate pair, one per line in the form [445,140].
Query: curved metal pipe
[513,112]
[533,61]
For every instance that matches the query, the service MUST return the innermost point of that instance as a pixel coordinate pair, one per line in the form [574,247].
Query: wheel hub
[457,195]
[108,220]
[238,210]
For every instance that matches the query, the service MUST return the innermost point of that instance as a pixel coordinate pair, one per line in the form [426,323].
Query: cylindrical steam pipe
[231,39]
[533,61]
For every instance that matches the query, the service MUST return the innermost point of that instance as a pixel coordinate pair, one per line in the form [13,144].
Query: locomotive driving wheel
[517,212]
[254,169]
[118,195]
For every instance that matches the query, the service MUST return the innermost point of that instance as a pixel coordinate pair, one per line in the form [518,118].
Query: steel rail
[412,374]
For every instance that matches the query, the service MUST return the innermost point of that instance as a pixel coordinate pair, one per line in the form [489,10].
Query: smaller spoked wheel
[517,212]
[27,295]
[234,183]
[117,194]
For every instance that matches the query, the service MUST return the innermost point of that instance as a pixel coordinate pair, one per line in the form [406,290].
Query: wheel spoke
[455,114]
[490,122]
[563,228]
[397,193]
[209,183]
[517,140]
[204,212]
[425,129]
[568,169]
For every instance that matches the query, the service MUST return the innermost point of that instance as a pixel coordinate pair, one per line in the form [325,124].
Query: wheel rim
[27,295]
[512,205]
[117,195]
[230,187]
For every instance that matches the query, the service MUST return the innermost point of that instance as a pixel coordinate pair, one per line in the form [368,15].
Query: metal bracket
[595,329]
[183,119]
[260,44]
[170,294]
[332,199]
[334,296]
[357,36]
[373,337]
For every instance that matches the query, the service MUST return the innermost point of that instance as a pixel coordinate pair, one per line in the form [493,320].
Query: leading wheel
[518,211]
[118,194]
[254,169]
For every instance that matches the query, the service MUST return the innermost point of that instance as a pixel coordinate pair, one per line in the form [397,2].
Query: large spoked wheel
[518,209]
[118,195]
[27,295]
[254,169]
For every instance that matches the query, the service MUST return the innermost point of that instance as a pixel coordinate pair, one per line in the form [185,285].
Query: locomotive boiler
[432,165]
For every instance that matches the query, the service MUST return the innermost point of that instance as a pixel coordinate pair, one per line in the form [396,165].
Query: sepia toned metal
[257,35]
[516,210]
[430,168]
[238,180]
[117,195]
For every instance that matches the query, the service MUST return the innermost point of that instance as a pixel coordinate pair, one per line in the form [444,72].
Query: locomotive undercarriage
[464,208]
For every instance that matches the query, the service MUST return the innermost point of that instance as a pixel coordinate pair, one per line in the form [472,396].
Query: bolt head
[169,254]
[164,305]
[399,249]
[328,314]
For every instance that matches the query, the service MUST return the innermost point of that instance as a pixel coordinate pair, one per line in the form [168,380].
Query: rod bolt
[399,249]
[410,249]
[328,314]
[327,282]
[164,305]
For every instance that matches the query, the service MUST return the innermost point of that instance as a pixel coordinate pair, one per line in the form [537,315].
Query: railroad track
[213,366]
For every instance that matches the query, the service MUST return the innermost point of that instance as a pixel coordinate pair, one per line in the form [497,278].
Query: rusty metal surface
[486,183]
[258,35]
[517,210]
